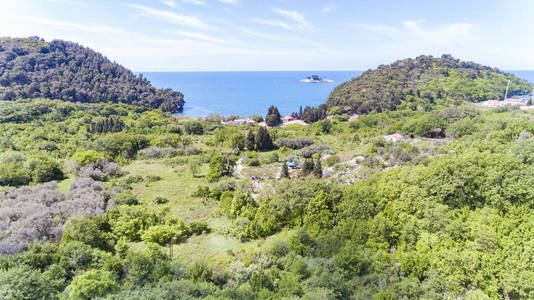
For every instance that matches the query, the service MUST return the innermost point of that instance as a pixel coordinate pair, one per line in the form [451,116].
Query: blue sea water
[526,75]
[250,93]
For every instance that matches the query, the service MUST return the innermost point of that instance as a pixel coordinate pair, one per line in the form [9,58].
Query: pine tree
[300,113]
[285,171]
[263,139]
[307,167]
[317,168]
[250,142]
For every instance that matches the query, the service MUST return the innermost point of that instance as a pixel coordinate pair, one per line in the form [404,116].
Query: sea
[251,93]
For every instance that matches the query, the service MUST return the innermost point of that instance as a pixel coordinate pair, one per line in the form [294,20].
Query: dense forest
[113,201]
[421,83]
[33,68]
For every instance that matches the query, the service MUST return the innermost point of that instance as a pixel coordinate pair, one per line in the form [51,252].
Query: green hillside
[33,68]
[421,83]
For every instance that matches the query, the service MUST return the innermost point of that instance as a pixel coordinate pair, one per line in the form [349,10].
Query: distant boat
[316,78]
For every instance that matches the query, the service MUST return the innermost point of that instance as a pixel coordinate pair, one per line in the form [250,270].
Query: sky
[256,35]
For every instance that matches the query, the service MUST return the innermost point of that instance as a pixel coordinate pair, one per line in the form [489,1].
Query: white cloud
[169,3]
[377,28]
[447,35]
[233,2]
[204,37]
[274,23]
[294,15]
[327,9]
[171,17]
[278,37]
[415,33]
[68,25]
[194,2]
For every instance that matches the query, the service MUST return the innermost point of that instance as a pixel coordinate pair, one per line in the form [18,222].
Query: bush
[160,200]
[191,150]
[162,234]
[199,227]
[151,152]
[218,168]
[332,160]
[86,157]
[199,272]
[461,128]
[39,212]
[295,144]
[194,127]
[126,198]
[309,151]
[301,242]
[13,174]
[91,284]
[43,169]
[21,282]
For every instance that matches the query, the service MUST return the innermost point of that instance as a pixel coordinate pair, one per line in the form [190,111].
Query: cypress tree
[307,167]
[285,171]
[263,139]
[250,142]
[317,168]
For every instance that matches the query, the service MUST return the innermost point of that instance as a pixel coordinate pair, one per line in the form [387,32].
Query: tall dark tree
[263,139]
[250,141]
[318,168]
[273,116]
[285,171]
[314,114]
[300,112]
[307,167]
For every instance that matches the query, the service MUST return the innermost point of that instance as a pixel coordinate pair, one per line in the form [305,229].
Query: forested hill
[420,82]
[33,68]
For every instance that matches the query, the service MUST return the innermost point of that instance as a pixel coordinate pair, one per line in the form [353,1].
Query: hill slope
[424,80]
[32,68]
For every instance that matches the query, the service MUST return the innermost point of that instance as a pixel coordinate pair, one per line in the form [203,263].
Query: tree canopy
[421,82]
[33,68]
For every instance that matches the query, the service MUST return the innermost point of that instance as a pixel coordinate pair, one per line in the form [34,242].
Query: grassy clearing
[65,184]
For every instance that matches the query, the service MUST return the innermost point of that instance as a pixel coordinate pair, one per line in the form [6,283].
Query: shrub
[199,272]
[86,157]
[39,212]
[218,168]
[295,144]
[257,118]
[91,284]
[191,150]
[300,242]
[151,152]
[126,198]
[13,174]
[43,169]
[332,160]
[21,282]
[160,200]
[199,227]
[162,234]
[194,127]
[309,151]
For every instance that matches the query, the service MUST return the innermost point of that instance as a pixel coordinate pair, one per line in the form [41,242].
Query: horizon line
[221,71]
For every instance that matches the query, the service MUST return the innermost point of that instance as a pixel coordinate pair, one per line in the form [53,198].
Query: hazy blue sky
[189,35]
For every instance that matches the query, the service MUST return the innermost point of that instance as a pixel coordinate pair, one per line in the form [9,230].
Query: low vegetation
[169,208]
